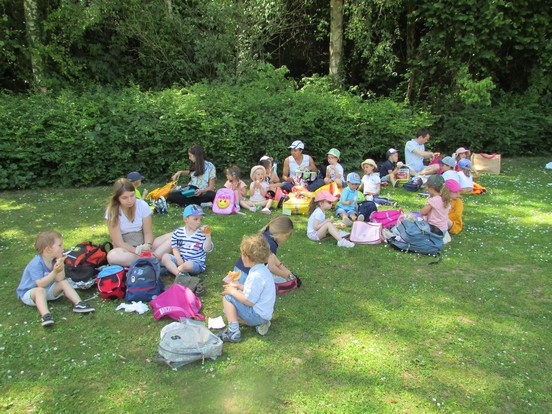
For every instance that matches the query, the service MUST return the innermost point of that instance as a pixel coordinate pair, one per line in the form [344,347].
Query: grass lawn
[372,330]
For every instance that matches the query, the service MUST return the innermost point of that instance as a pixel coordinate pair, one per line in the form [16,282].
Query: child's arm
[208,243]
[176,254]
[233,291]
[242,189]
[277,268]
[426,209]
[58,272]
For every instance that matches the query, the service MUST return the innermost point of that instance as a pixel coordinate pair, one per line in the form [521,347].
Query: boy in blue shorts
[44,278]
[190,244]
[252,302]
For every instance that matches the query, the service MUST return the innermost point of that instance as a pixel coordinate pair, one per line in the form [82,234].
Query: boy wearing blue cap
[190,244]
[136,178]
[347,205]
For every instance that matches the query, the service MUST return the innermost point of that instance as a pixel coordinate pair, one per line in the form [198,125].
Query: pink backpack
[225,202]
[177,302]
[364,232]
[388,218]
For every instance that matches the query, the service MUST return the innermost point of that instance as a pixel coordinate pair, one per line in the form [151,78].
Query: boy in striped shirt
[190,244]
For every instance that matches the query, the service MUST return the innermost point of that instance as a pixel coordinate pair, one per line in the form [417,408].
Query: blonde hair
[256,248]
[119,187]
[278,226]
[46,239]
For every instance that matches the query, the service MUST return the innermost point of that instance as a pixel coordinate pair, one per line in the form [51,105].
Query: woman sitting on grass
[130,226]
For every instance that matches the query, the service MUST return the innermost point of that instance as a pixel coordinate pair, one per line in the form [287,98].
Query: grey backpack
[187,341]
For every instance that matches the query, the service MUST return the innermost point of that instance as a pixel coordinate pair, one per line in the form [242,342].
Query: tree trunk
[336,40]
[33,39]
[410,47]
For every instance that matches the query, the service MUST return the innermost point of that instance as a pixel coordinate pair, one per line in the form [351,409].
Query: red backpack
[111,282]
[82,260]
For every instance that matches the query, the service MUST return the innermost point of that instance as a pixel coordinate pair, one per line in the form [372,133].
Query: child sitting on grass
[371,184]
[456,207]
[190,244]
[334,170]
[44,278]
[136,178]
[252,302]
[319,226]
[258,191]
[234,183]
[437,208]
[346,207]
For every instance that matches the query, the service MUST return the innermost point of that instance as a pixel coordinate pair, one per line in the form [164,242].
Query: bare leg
[162,245]
[122,257]
[38,295]
[68,291]
[166,259]
[230,311]
[326,228]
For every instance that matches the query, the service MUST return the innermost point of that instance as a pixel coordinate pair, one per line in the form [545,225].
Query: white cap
[297,145]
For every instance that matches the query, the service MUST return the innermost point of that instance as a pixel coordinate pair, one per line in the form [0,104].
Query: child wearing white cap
[390,167]
[334,170]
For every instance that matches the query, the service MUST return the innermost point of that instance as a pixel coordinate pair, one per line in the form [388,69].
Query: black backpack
[143,280]
[366,208]
[414,184]
[82,263]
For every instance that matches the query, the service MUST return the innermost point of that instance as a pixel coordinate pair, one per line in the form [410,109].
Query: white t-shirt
[317,215]
[142,211]
[338,169]
[370,183]
[451,175]
[465,182]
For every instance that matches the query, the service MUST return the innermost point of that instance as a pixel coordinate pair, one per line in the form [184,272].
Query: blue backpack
[143,280]
[418,237]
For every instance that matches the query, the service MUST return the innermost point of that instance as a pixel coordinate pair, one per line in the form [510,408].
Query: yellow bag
[486,163]
[298,203]
[161,191]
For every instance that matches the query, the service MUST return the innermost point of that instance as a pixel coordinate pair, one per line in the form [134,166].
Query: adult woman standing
[130,225]
[203,177]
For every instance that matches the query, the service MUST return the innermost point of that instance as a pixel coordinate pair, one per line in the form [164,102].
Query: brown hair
[256,248]
[46,239]
[234,171]
[198,167]
[119,187]
[278,226]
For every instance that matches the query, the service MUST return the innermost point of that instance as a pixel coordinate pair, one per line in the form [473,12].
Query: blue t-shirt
[35,270]
[259,289]
[347,195]
[414,161]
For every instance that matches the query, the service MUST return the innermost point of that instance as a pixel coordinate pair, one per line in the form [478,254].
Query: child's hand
[59,266]
[400,164]
[205,229]
[230,289]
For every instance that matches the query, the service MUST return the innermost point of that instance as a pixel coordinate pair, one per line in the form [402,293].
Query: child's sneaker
[347,221]
[343,233]
[266,211]
[253,209]
[360,217]
[230,336]
[345,243]
[47,320]
[83,307]
[262,329]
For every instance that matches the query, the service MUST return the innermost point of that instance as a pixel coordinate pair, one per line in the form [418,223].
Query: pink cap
[453,186]
[461,150]
[325,195]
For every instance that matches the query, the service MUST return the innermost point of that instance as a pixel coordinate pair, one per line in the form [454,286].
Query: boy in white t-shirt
[334,170]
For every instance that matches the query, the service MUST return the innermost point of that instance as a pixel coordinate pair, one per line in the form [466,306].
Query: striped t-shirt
[191,247]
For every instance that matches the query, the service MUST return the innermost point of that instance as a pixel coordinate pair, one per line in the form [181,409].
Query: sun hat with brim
[135,176]
[449,161]
[453,186]
[464,163]
[435,181]
[193,210]
[371,162]
[297,145]
[324,195]
[255,169]
[353,178]
[335,152]
[462,150]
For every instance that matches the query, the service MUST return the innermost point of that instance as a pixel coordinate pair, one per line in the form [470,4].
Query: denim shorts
[245,312]
[340,210]
[196,267]
[26,298]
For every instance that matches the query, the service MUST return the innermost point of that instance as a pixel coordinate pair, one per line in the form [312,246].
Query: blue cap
[353,178]
[135,176]
[193,210]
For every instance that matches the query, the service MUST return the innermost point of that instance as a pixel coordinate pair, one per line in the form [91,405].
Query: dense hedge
[94,136]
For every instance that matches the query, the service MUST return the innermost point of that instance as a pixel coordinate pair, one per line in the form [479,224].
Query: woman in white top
[293,162]
[130,226]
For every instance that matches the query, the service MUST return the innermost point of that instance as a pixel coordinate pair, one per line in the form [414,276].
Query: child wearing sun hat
[334,170]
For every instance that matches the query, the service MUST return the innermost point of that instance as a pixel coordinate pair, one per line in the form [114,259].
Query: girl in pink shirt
[438,205]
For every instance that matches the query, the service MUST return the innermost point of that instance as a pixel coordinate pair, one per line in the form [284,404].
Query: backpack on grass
[82,261]
[111,282]
[225,202]
[177,302]
[290,284]
[387,218]
[418,237]
[143,280]
[185,342]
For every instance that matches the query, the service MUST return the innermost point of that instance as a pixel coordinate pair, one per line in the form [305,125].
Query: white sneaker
[343,233]
[253,209]
[347,221]
[266,211]
[360,217]
[262,329]
[345,243]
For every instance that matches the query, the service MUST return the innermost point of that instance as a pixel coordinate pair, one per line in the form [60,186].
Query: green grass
[371,330]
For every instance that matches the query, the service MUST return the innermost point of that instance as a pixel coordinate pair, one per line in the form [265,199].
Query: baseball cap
[453,185]
[449,161]
[464,163]
[193,210]
[297,145]
[135,176]
[353,178]
[335,152]
[435,181]
[324,195]
[390,151]
[265,157]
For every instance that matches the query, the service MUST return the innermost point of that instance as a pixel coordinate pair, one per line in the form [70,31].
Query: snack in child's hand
[339,225]
[232,276]
[205,229]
